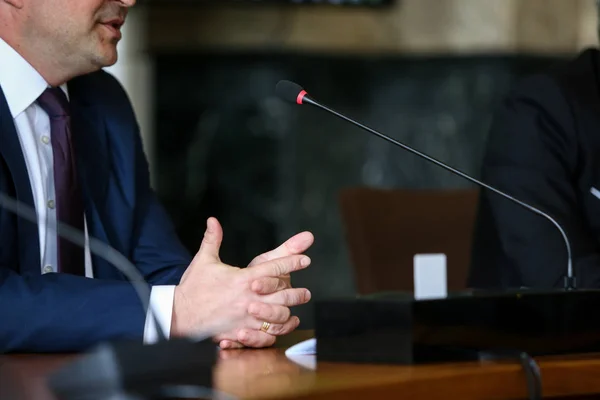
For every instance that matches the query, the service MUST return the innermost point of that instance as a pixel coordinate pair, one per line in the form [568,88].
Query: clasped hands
[213,294]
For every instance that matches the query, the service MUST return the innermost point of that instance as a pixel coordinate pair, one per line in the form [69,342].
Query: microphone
[180,367]
[294,93]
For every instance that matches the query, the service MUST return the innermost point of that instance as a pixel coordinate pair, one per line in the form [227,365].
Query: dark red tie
[68,201]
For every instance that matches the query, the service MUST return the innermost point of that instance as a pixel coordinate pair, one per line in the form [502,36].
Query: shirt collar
[21,83]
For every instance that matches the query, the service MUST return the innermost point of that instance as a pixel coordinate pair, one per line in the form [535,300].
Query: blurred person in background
[544,149]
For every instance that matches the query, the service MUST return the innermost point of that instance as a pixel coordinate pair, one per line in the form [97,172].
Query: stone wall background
[427,72]
[409,26]
[226,146]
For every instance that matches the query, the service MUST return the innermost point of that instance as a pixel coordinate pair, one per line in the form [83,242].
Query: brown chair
[386,228]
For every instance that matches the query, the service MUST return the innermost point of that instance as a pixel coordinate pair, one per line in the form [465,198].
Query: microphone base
[123,369]
[397,329]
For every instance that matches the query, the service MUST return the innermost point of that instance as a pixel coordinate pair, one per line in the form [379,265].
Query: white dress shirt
[22,85]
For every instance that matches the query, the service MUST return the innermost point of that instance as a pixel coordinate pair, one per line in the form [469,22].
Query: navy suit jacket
[60,312]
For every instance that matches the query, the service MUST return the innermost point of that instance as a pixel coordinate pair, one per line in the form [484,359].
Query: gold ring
[265,326]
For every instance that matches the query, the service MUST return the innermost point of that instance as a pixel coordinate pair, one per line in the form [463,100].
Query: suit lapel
[90,144]
[12,153]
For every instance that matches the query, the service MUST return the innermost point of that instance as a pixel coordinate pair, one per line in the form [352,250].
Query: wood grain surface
[269,374]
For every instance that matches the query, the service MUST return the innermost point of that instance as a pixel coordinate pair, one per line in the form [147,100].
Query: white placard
[430,279]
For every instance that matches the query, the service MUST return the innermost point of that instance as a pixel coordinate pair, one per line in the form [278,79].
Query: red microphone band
[301,96]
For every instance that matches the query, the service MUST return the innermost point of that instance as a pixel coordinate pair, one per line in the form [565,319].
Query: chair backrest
[386,228]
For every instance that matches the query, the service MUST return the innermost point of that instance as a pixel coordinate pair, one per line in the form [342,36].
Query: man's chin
[107,58]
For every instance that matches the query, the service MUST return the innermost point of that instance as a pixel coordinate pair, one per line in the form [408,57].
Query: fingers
[230,344]
[297,244]
[254,337]
[211,243]
[288,297]
[278,267]
[279,329]
[273,313]
[269,285]
[257,339]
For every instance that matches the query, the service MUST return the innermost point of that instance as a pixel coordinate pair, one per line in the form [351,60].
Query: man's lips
[114,26]
[116,23]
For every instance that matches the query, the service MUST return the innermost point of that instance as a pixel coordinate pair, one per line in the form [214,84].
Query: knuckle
[294,264]
[257,286]
[246,337]
[287,328]
[277,329]
[256,260]
[288,264]
[267,312]
[285,314]
[281,266]
[263,311]
[244,306]
[242,335]
[279,314]
[254,309]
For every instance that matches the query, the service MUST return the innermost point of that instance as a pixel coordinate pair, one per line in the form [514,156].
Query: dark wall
[227,147]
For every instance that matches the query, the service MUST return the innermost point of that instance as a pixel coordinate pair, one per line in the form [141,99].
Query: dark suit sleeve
[533,154]
[68,312]
[64,313]
[73,313]
[158,252]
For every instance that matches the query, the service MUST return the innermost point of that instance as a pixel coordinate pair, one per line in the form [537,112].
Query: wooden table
[267,373]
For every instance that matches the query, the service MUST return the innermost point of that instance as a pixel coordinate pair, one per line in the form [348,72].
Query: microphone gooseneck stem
[569,281]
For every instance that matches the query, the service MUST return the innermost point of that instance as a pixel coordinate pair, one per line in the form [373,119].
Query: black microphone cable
[533,374]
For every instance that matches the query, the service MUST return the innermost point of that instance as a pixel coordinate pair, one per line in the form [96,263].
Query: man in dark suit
[544,148]
[70,150]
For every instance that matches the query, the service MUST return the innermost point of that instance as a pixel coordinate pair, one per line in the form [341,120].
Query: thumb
[211,243]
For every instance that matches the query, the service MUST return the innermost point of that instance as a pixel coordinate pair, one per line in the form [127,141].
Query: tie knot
[54,102]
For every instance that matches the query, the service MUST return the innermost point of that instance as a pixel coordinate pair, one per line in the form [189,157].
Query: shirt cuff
[161,303]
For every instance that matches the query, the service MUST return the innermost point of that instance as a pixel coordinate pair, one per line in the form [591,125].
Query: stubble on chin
[104,52]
